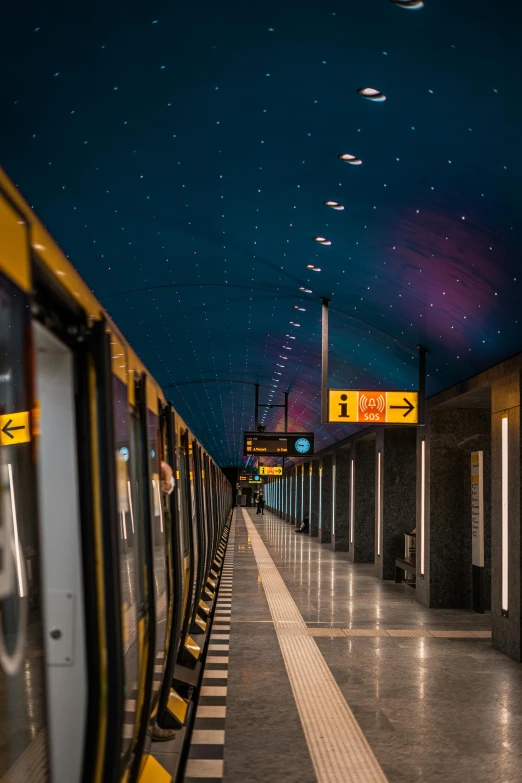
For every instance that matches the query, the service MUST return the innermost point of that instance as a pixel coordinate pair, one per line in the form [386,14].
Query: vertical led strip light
[422,504]
[379,457]
[302,495]
[320,497]
[333,499]
[352,487]
[505,515]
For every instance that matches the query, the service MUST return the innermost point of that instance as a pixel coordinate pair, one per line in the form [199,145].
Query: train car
[113,528]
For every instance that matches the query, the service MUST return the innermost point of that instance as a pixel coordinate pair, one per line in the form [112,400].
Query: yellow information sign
[14,428]
[272,470]
[373,407]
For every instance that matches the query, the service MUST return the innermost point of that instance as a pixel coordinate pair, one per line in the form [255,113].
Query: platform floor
[334,675]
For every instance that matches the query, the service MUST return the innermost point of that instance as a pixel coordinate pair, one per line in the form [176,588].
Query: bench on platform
[408,565]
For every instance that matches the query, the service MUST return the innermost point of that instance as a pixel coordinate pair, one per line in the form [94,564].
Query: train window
[158,542]
[129,546]
[22,683]
[182,495]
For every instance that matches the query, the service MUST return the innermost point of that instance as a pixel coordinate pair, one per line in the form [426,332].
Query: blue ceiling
[184,155]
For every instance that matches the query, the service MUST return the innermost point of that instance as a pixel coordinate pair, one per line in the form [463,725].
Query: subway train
[113,530]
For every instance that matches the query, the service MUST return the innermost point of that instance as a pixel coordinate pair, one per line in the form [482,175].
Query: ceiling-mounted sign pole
[422,384]
[324,361]
[257,406]
[286,411]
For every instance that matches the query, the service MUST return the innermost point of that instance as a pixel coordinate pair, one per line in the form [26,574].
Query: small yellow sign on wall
[14,428]
[270,470]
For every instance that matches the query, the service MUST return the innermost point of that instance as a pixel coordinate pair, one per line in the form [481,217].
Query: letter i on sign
[343,405]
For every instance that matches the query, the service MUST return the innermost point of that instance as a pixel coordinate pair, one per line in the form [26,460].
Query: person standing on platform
[260,504]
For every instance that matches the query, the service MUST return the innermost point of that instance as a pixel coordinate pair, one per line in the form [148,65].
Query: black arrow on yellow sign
[7,430]
[409,407]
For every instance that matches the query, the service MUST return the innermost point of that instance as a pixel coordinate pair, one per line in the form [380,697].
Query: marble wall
[452,434]
[398,449]
[340,532]
[314,516]
[306,509]
[325,529]
[363,548]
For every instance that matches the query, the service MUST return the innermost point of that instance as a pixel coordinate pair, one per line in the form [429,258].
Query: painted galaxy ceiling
[182,154]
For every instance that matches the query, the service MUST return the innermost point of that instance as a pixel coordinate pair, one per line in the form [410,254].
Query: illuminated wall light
[310,492]
[505,515]
[320,497]
[290,493]
[379,503]
[333,498]
[352,499]
[296,497]
[422,506]
[302,496]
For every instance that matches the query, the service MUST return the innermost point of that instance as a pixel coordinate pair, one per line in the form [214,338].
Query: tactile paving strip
[337,746]
[206,755]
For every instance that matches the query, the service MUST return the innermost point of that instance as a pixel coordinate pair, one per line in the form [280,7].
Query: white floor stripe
[208,737]
[205,711]
[337,746]
[204,768]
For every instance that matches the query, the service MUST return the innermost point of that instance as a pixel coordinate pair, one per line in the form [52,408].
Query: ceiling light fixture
[371,94]
[352,159]
[334,205]
[322,240]
[412,5]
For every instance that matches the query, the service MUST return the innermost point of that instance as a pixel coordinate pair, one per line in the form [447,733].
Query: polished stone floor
[432,708]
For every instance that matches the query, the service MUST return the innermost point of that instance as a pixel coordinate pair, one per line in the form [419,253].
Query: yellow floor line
[337,746]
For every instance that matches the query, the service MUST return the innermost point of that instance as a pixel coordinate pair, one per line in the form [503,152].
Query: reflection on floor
[433,699]
[23,741]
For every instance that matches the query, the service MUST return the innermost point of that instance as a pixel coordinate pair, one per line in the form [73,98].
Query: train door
[184,503]
[23,721]
[172,709]
[129,524]
[63,593]
[153,634]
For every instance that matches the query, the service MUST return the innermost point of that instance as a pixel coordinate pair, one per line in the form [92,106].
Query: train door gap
[58,493]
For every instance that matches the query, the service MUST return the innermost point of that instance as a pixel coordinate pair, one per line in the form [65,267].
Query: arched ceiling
[183,152]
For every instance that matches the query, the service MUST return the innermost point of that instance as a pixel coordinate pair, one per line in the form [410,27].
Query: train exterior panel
[113,523]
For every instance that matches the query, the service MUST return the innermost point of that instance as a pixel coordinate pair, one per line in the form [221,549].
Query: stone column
[314,511]
[451,435]
[397,469]
[506,442]
[363,548]
[325,528]
[341,520]
[297,495]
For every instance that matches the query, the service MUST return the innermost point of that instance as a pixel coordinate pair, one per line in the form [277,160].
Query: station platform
[319,671]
